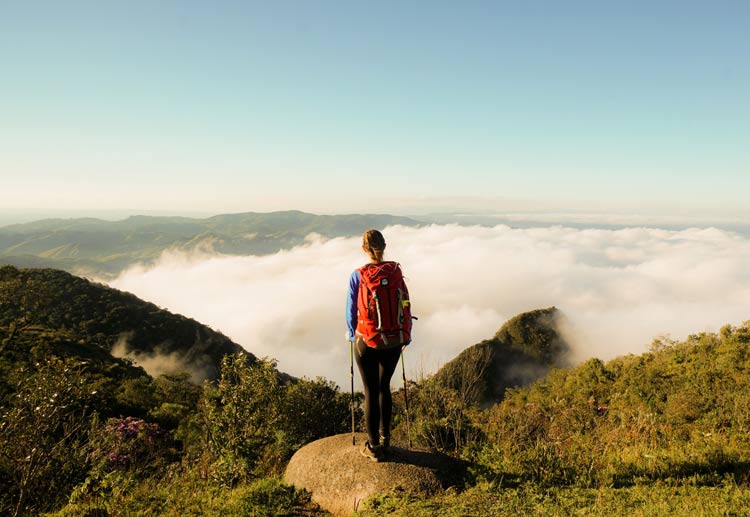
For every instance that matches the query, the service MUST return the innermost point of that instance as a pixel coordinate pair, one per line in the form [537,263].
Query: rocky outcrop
[340,478]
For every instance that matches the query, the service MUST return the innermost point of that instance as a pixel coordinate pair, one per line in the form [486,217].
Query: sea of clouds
[618,288]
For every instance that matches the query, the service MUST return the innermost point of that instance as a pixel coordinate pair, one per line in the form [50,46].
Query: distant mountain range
[102,249]
[99,248]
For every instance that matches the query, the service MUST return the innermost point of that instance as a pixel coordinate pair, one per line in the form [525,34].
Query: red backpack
[383,308]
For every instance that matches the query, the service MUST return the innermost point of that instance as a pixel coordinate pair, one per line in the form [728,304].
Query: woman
[378,338]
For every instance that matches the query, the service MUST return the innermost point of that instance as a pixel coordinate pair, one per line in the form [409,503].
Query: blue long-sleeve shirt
[351,303]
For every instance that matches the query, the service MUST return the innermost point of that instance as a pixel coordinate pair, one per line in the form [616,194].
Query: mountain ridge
[523,350]
[119,323]
[100,248]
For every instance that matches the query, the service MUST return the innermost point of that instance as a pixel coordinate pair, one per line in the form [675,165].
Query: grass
[659,499]
[186,497]
[270,497]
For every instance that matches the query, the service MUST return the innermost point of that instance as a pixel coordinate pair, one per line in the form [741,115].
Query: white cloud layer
[618,288]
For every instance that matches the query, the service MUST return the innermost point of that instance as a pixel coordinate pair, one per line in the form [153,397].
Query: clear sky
[331,106]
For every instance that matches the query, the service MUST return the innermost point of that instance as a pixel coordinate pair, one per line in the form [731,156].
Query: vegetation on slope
[446,404]
[523,350]
[80,426]
[34,301]
[663,433]
[677,412]
[680,410]
[85,433]
[66,441]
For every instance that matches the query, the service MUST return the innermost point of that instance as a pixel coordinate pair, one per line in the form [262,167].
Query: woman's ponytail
[374,244]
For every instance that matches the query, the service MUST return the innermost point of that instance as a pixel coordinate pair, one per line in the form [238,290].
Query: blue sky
[339,106]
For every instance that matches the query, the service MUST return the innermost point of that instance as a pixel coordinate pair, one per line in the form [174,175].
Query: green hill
[661,433]
[104,248]
[678,411]
[523,350]
[86,433]
[80,424]
[52,302]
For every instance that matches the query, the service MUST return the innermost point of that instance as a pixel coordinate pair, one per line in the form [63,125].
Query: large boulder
[340,478]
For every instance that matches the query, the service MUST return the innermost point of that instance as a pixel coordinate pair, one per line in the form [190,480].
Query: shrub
[42,436]
[130,444]
[270,497]
[239,417]
[440,418]
[313,409]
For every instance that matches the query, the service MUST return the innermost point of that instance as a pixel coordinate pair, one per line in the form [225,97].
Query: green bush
[43,434]
[251,423]
[313,409]
[239,417]
[130,444]
[440,418]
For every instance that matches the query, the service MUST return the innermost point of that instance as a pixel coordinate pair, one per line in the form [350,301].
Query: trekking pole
[351,377]
[406,398]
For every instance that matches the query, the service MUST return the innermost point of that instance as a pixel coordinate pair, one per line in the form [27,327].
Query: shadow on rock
[340,478]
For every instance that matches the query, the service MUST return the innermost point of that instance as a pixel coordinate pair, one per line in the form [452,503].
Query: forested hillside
[523,350]
[80,425]
[48,302]
[105,248]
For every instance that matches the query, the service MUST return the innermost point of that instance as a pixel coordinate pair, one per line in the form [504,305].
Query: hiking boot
[374,453]
[385,442]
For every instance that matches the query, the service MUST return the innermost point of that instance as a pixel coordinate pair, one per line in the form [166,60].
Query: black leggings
[376,368]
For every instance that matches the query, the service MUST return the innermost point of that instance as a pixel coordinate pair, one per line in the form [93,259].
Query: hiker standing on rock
[378,315]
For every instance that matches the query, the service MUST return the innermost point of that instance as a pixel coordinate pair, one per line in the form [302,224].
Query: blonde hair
[374,244]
